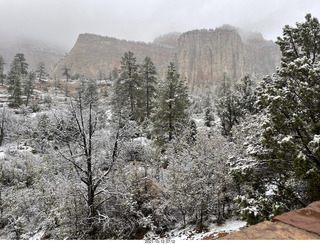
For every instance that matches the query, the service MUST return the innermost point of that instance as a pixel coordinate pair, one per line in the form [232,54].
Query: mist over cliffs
[202,57]
[35,51]
[205,57]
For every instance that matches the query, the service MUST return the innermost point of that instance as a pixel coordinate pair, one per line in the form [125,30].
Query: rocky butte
[202,57]
[94,55]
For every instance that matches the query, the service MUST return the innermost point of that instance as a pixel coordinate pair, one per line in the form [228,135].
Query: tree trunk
[1,135]
[170,122]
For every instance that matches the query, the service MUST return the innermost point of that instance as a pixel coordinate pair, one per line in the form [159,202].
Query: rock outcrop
[302,224]
[202,57]
[205,57]
[94,55]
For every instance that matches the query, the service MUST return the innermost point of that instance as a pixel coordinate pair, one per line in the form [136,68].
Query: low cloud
[61,21]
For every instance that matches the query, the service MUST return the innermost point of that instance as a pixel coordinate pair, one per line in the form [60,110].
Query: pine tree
[23,65]
[226,106]
[18,71]
[66,72]
[209,117]
[41,71]
[17,92]
[148,83]
[288,169]
[28,86]
[91,94]
[245,96]
[2,76]
[171,115]
[127,86]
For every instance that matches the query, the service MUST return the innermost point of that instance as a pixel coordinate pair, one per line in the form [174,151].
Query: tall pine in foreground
[287,175]
[171,115]
[292,99]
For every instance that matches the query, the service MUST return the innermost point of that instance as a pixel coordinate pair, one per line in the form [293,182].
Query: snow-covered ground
[190,232]
[2,155]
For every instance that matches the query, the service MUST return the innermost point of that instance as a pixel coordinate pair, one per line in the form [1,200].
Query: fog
[61,21]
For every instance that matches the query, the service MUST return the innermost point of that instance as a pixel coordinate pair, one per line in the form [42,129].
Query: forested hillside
[136,154]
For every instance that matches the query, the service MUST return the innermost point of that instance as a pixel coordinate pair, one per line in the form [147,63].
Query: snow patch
[2,156]
[286,139]
[190,232]
[316,139]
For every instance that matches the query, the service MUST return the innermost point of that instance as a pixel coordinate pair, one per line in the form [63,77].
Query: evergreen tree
[28,86]
[18,71]
[127,86]
[209,117]
[66,72]
[17,92]
[287,175]
[227,107]
[114,74]
[2,75]
[148,79]
[171,115]
[293,104]
[23,65]
[41,71]
[91,95]
[246,97]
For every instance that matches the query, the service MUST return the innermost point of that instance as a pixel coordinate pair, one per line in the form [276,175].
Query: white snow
[286,139]
[316,139]
[142,141]
[38,235]
[190,232]
[2,155]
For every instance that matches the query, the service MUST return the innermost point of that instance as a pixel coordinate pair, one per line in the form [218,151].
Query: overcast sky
[61,21]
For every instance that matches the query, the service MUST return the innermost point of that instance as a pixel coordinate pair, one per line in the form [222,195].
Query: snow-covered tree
[148,83]
[41,71]
[199,181]
[5,120]
[291,98]
[66,72]
[18,71]
[170,116]
[2,75]
[28,86]
[286,173]
[80,144]
[127,87]
[226,106]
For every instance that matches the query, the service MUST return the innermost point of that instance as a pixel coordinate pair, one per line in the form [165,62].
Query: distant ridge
[35,51]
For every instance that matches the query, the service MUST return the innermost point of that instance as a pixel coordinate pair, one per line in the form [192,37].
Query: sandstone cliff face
[205,57]
[94,55]
[202,57]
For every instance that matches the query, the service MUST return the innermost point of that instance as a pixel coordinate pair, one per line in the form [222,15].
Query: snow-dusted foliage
[199,182]
[116,160]
[285,175]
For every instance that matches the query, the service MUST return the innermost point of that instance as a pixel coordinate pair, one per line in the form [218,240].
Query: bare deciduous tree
[82,148]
